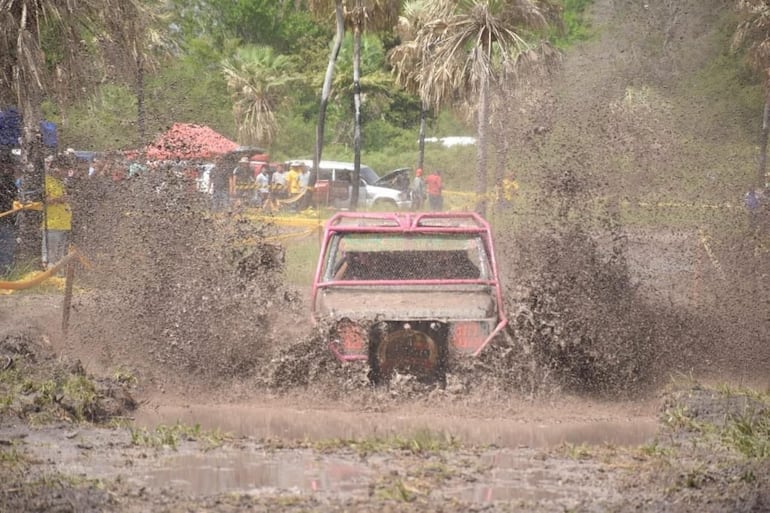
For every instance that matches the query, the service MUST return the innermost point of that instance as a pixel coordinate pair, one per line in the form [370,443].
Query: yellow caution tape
[18,206]
[291,235]
[681,204]
[705,240]
[40,277]
[286,220]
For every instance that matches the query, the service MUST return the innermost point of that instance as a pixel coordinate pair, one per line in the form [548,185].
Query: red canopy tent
[189,141]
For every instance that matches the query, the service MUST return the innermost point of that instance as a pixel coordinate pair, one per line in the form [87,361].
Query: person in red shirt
[434,188]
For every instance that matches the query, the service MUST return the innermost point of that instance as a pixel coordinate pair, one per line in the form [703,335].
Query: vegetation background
[283,47]
[187,83]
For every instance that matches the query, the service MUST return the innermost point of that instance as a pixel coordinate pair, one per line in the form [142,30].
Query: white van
[333,186]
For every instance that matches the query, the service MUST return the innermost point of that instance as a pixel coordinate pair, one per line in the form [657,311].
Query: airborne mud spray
[600,301]
[174,288]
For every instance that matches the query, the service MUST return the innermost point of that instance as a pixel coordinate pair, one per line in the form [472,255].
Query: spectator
[7,224]
[57,218]
[434,188]
[293,187]
[219,183]
[263,185]
[418,190]
[242,180]
[279,182]
[304,178]
[292,179]
[304,186]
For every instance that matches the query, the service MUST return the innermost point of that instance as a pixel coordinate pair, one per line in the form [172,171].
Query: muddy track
[600,402]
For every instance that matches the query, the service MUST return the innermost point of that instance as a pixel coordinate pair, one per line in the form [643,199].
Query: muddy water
[511,467]
[245,472]
[507,475]
[314,425]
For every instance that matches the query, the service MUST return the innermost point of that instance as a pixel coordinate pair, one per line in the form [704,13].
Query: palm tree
[26,71]
[473,43]
[320,7]
[257,78]
[357,15]
[753,32]
[374,15]
[141,36]
[409,58]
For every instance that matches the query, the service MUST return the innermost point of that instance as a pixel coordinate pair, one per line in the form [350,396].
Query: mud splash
[173,285]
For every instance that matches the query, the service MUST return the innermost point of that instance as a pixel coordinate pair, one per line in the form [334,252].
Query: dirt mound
[39,386]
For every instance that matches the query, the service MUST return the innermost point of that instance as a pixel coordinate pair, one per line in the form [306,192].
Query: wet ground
[265,421]
[288,454]
[221,426]
[338,471]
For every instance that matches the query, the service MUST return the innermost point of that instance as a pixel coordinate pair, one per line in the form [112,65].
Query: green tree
[473,43]
[285,26]
[376,84]
[257,78]
[356,15]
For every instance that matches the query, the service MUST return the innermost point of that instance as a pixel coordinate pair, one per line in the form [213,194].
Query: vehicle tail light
[348,340]
[468,337]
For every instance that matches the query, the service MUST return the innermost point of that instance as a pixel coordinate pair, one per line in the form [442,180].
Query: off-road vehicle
[408,291]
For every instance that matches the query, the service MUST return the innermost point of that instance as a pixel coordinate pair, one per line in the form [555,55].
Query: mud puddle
[513,476]
[208,474]
[501,475]
[316,425]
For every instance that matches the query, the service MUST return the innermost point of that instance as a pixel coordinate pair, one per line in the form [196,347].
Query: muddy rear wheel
[421,353]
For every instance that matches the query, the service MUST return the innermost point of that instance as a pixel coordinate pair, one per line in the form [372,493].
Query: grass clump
[722,417]
[749,434]
[422,442]
[170,436]
[10,456]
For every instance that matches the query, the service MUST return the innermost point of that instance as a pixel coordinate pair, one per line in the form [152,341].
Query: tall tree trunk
[762,169]
[421,139]
[357,110]
[140,113]
[326,90]
[481,150]
[29,91]
[32,189]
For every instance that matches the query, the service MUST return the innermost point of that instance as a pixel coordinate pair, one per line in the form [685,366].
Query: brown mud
[189,380]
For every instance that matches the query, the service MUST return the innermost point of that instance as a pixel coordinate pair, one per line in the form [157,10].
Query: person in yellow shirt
[292,180]
[57,219]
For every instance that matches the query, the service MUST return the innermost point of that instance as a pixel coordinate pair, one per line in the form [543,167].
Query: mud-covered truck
[406,292]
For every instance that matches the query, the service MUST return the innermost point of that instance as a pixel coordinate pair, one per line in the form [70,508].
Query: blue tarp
[10,130]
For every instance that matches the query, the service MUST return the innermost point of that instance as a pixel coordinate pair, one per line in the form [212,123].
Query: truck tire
[417,351]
